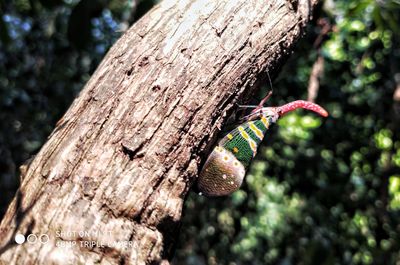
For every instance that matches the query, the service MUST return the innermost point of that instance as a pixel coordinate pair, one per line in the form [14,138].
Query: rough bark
[119,163]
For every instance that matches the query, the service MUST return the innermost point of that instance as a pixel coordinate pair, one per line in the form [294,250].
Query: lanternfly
[226,166]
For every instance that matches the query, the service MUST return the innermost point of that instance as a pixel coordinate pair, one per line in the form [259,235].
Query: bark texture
[116,169]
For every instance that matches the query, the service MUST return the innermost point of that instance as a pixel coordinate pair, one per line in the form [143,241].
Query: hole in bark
[156,88]
[144,61]
[132,152]
[129,72]
[128,152]
[294,4]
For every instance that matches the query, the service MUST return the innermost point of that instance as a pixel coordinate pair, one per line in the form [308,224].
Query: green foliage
[294,127]
[394,191]
[320,191]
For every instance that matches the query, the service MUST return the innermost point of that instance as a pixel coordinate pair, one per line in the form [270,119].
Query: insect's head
[271,112]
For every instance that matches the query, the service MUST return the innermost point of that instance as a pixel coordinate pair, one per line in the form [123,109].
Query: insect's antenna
[247,117]
[262,102]
[247,106]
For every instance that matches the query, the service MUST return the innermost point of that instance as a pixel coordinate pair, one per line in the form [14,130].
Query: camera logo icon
[31,238]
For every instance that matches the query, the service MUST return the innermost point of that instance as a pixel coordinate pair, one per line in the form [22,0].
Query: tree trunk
[109,184]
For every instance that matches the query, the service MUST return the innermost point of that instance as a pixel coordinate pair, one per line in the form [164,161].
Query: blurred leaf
[394,191]
[4,37]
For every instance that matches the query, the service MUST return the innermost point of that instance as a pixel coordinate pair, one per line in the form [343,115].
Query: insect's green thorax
[244,140]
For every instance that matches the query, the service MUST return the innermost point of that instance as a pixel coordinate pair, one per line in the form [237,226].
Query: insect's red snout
[302,104]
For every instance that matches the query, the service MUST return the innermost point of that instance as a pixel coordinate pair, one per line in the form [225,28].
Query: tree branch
[120,162]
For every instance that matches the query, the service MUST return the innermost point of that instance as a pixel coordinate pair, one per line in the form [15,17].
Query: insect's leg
[262,102]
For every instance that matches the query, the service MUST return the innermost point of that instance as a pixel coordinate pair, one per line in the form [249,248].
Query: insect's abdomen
[225,168]
[222,173]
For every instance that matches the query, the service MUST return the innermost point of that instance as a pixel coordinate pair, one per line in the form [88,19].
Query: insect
[226,166]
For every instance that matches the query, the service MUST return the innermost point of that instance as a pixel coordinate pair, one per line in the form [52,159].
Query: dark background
[320,191]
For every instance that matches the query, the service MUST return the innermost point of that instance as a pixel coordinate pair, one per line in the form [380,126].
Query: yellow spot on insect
[253,146]
[230,136]
[257,131]
[265,121]
[235,150]
[226,158]
[243,133]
